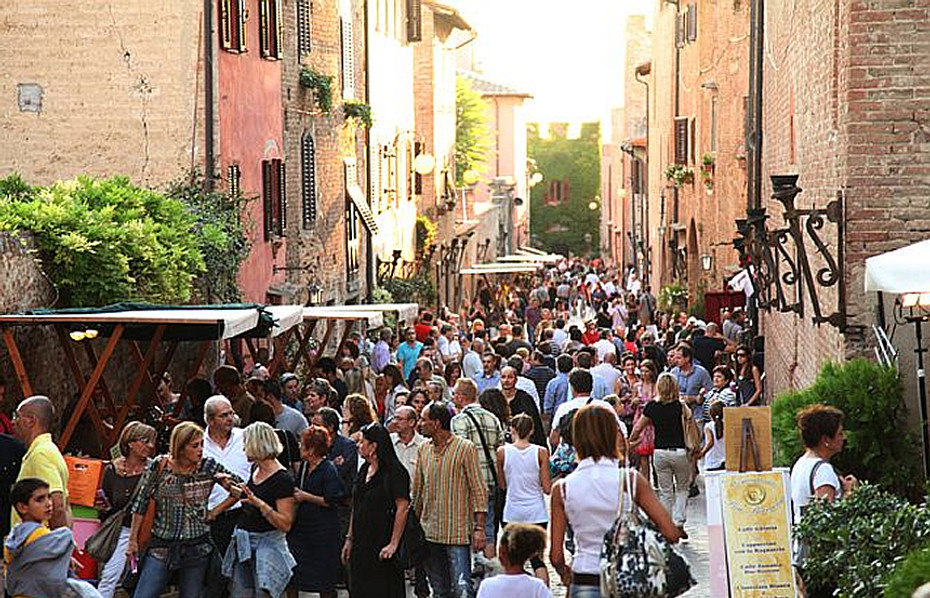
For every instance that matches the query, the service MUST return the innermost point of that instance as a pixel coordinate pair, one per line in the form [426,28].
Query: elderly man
[450,496]
[483,429]
[32,423]
[225,443]
[471,363]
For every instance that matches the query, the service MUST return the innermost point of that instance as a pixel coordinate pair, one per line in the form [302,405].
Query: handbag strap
[484,445]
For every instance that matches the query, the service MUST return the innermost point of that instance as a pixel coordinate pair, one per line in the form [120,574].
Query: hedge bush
[105,241]
[879,444]
[856,542]
[910,574]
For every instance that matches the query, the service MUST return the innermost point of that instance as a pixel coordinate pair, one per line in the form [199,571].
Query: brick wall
[849,111]
[121,89]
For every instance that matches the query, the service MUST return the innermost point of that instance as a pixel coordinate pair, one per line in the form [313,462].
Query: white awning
[406,312]
[344,312]
[530,258]
[285,317]
[903,270]
[230,322]
[499,269]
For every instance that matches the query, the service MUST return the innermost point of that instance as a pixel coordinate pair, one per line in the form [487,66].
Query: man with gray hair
[471,363]
[226,444]
[32,423]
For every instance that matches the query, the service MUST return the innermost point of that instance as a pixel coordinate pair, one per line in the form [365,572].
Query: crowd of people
[472,423]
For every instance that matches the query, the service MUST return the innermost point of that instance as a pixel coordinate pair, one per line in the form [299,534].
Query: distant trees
[472,135]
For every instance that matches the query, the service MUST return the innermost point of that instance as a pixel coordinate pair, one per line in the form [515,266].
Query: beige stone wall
[121,89]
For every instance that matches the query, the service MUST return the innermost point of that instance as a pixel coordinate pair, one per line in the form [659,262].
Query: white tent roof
[903,270]
[405,311]
[501,268]
[285,317]
[343,312]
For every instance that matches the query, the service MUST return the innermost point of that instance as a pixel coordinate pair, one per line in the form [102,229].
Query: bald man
[32,423]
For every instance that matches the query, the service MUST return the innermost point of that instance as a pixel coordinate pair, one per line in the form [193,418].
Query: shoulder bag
[500,495]
[411,550]
[636,560]
[101,544]
[690,429]
[148,520]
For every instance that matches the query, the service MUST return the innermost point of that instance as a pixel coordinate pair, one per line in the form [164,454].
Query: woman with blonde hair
[137,444]
[180,484]
[671,458]
[267,515]
[588,500]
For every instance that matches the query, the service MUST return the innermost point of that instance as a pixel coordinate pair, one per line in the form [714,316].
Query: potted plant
[679,174]
[707,171]
[359,112]
[322,87]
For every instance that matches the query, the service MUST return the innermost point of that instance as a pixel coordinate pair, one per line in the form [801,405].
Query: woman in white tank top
[523,470]
[587,499]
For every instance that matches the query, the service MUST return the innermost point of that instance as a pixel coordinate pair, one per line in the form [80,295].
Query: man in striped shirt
[450,495]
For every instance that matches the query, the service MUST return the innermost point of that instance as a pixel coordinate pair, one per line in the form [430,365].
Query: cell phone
[133,564]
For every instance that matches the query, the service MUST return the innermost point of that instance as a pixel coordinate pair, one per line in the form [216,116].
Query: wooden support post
[91,384]
[104,387]
[280,343]
[330,327]
[71,358]
[17,360]
[345,337]
[195,369]
[141,375]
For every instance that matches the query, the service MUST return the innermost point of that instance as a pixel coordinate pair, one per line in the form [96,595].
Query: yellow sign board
[757,529]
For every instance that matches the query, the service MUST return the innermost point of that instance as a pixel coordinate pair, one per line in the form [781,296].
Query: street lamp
[470,176]
[314,294]
[535,178]
[706,262]
[592,205]
[424,164]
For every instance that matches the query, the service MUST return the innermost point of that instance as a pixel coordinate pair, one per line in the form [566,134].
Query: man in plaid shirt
[470,412]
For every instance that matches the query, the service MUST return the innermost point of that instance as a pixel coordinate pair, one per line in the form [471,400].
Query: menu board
[757,528]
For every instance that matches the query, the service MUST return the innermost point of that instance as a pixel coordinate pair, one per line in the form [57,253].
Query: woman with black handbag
[588,500]
[380,506]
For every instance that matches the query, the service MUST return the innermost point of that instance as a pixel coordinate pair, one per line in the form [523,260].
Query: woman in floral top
[180,484]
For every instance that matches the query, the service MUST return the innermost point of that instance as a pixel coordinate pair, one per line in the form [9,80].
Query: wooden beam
[141,375]
[345,337]
[104,387]
[17,360]
[330,327]
[195,369]
[91,383]
[280,343]
[71,358]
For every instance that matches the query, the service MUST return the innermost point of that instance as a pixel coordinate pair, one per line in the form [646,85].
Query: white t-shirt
[608,373]
[580,402]
[801,481]
[603,347]
[511,586]
[717,455]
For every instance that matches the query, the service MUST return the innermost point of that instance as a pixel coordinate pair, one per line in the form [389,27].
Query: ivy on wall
[560,223]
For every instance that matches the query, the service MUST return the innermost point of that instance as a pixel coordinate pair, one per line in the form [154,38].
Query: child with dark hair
[37,560]
[714,450]
[519,543]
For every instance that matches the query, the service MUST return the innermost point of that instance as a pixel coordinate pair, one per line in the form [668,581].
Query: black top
[11,457]
[291,452]
[524,403]
[279,485]
[119,490]
[705,348]
[666,417]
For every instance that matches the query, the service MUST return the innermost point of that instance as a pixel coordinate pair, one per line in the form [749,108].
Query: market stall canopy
[406,312]
[525,250]
[500,268]
[530,258]
[139,320]
[900,271]
[285,317]
[374,319]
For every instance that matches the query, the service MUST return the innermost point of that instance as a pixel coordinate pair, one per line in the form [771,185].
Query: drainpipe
[208,150]
[754,126]
[644,70]
[370,265]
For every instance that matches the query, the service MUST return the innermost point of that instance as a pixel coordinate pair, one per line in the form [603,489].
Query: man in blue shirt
[557,388]
[491,376]
[693,381]
[409,351]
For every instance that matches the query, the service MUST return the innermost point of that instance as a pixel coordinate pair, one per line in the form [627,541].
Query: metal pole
[922,396]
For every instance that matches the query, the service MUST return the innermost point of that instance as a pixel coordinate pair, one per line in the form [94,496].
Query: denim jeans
[584,592]
[154,576]
[491,523]
[448,567]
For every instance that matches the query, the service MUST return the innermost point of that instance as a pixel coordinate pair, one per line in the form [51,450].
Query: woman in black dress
[379,512]
[315,536]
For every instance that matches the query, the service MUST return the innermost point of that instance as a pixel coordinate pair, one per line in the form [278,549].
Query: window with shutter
[692,145]
[691,23]
[414,21]
[232,25]
[348,58]
[352,244]
[308,180]
[304,30]
[681,140]
[273,201]
[269,29]
[680,30]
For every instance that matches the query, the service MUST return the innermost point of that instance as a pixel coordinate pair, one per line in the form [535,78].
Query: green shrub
[855,542]
[105,241]
[910,574]
[418,289]
[879,444]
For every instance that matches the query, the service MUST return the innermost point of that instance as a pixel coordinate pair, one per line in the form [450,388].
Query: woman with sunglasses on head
[748,378]
[380,503]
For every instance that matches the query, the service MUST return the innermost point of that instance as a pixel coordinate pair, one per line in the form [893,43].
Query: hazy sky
[567,53]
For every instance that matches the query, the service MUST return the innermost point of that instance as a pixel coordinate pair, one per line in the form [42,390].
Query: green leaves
[855,542]
[472,135]
[879,446]
[106,240]
[322,86]
[911,573]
